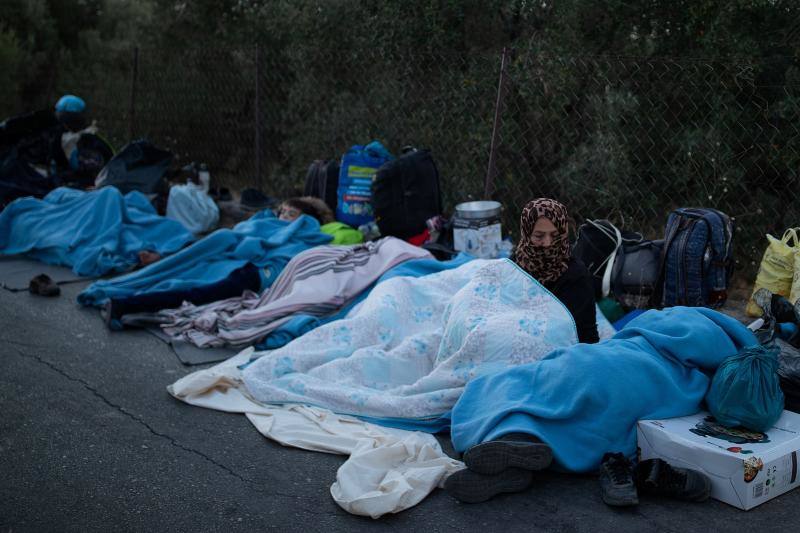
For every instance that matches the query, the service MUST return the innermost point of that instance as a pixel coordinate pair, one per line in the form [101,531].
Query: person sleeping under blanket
[245,278]
[577,409]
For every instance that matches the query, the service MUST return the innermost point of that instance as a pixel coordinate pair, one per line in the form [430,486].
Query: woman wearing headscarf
[544,253]
[512,451]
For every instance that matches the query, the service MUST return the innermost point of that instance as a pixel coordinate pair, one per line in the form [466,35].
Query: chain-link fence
[627,139]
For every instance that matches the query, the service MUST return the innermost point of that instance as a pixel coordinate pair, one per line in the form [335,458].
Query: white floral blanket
[409,349]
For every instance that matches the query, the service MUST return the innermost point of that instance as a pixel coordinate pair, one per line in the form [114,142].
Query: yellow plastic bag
[795,294]
[777,268]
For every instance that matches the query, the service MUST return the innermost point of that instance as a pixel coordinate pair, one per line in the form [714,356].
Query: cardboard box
[746,468]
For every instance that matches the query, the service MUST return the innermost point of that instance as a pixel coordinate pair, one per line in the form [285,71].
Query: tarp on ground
[263,240]
[94,233]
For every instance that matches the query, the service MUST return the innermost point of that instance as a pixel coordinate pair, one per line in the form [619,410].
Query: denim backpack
[697,260]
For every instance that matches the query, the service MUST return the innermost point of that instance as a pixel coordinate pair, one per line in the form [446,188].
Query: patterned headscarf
[545,263]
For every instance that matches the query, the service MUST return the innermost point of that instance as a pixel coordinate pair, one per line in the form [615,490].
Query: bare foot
[147,257]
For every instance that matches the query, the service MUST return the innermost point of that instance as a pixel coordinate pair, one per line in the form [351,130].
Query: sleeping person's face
[288,213]
[544,232]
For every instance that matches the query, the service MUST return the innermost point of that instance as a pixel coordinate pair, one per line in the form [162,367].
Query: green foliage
[622,108]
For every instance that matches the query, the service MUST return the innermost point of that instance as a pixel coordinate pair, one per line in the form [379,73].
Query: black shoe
[782,309]
[107,312]
[43,285]
[616,481]
[657,477]
[471,487]
[777,307]
[796,310]
[515,450]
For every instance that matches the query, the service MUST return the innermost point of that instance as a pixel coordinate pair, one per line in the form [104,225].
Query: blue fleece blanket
[94,232]
[302,324]
[263,240]
[585,400]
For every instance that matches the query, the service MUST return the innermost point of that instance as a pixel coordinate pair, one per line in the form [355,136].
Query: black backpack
[637,271]
[596,247]
[322,181]
[93,153]
[623,264]
[406,193]
[18,179]
[139,166]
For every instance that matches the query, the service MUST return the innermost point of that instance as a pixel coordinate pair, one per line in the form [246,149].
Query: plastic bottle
[204,177]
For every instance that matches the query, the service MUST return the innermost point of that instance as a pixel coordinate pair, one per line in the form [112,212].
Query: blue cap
[70,103]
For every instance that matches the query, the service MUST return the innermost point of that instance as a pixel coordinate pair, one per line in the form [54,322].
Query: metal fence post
[491,171]
[132,107]
[257,121]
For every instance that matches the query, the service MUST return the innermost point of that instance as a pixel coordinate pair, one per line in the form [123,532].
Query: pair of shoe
[621,483]
[497,466]
[43,285]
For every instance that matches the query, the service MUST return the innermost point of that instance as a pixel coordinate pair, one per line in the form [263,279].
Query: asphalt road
[91,441]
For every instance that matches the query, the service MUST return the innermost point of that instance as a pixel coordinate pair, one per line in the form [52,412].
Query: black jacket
[575,290]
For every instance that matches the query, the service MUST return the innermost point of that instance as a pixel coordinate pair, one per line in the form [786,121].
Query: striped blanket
[316,282]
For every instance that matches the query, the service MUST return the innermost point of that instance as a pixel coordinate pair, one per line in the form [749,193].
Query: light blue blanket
[585,400]
[408,350]
[263,240]
[301,324]
[94,232]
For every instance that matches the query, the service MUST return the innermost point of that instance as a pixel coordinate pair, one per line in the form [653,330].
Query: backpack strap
[672,231]
[615,235]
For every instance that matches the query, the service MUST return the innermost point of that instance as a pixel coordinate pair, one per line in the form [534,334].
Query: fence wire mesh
[627,139]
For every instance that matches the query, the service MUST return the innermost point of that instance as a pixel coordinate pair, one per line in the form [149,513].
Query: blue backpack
[697,260]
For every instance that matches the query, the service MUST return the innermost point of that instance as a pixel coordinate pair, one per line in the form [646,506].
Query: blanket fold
[302,323]
[316,282]
[387,471]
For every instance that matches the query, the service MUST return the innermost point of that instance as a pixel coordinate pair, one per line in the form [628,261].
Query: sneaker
[657,477]
[616,481]
[471,487]
[514,450]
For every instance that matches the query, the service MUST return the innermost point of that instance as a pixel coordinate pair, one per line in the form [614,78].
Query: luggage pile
[691,266]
